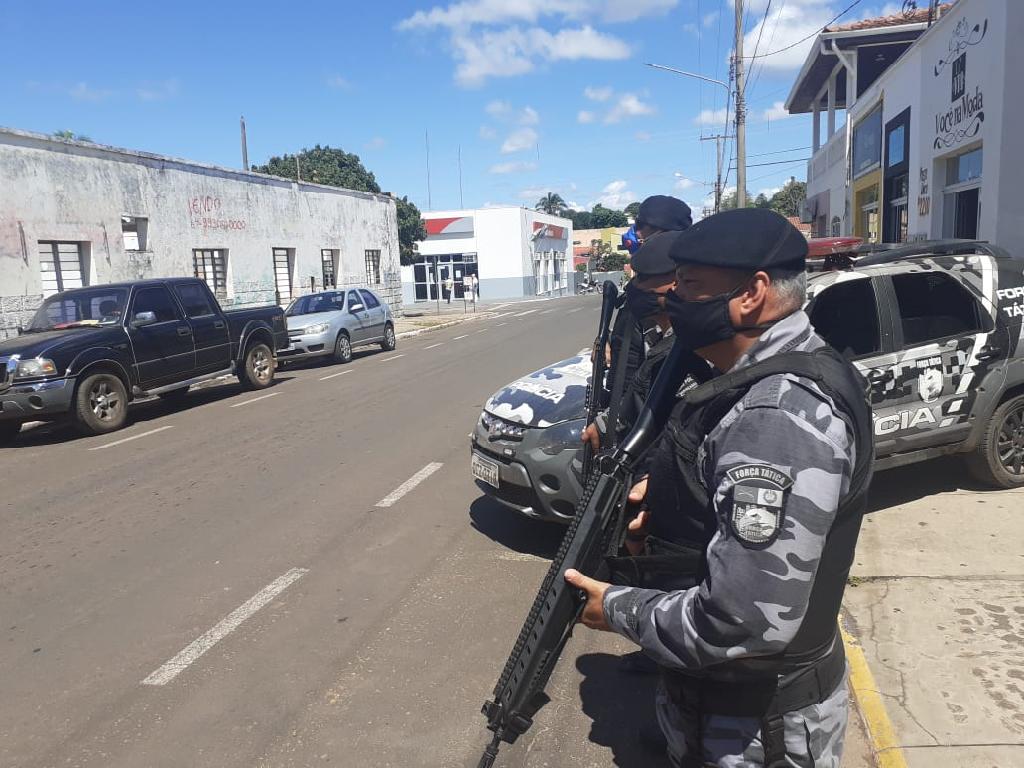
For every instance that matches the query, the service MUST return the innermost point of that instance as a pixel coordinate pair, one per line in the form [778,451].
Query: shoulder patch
[758,503]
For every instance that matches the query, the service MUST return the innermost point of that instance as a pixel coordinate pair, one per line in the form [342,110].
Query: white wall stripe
[392,498]
[133,437]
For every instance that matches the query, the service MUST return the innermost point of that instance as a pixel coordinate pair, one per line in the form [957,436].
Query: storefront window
[867,143]
[896,141]
[964,168]
[455,266]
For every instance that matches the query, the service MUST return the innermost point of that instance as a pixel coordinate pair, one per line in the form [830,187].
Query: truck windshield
[80,309]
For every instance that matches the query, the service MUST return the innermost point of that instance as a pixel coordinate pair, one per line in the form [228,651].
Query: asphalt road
[218,584]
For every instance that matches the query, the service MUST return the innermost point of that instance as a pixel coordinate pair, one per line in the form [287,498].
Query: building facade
[929,148]
[513,252]
[75,213]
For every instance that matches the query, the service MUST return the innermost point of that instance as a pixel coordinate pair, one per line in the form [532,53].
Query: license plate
[484,470]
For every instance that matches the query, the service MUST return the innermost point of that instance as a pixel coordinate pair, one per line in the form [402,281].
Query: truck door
[209,328]
[161,338]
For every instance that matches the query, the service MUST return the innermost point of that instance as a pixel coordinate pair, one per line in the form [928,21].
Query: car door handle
[219,324]
[989,352]
[184,330]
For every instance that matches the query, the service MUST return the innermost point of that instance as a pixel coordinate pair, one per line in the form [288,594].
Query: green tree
[607,217]
[790,199]
[579,219]
[71,136]
[551,203]
[604,258]
[323,165]
[410,229]
[761,201]
[632,210]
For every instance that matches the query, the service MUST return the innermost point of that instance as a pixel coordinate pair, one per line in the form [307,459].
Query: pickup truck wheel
[390,342]
[999,458]
[343,348]
[8,431]
[101,404]
[258,367]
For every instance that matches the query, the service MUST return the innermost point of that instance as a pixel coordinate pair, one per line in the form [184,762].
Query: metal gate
[283,274]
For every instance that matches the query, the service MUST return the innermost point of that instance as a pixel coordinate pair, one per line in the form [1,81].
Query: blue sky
[539,94]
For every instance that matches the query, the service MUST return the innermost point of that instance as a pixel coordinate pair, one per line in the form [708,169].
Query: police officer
[755,497]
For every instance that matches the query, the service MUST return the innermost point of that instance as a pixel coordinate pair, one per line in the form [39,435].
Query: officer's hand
[593,436]
[607,354]
[636,532]
[593,611]
[639,491]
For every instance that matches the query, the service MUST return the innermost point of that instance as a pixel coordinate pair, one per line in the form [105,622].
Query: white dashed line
[527,312]
[133,437]
[254,400]
[393,497]
[223,628]
[339,373]
[393,357]
[546,311]
[460,337]
[439,344]
[574,310]
[500,324]
[482,330]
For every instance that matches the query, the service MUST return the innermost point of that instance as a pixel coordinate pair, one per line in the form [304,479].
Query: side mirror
[144,318]
[353,308]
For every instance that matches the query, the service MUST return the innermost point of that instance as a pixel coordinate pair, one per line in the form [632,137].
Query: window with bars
[61,266]
[329,258]
[284,260]
[373,267]
[210,266]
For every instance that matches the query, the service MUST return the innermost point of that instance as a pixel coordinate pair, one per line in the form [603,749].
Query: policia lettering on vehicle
[754,502]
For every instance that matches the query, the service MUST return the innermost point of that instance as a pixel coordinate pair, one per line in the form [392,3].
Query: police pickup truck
[934,327]
[89,351]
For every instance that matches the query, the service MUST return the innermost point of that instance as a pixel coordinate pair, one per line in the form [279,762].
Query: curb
[885,747]
[439,326]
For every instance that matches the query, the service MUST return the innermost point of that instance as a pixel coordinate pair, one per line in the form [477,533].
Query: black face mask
[642,305]
[699,324]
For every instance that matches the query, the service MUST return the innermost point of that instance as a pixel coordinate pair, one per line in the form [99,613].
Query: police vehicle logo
[757,503]
[929,384]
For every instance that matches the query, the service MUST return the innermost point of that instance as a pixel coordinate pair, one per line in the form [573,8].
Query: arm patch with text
[758,503]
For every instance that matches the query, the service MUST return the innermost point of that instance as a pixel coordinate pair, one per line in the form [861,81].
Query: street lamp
[728,90]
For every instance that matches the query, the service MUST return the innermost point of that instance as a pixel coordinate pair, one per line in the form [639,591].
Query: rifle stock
[595,532]
[595,389]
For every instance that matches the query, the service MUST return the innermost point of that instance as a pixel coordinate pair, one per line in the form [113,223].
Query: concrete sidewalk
[936,604]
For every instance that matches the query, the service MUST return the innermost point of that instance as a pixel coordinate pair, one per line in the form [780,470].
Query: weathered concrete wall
[58,190]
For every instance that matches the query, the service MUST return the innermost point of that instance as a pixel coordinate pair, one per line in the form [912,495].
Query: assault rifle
[596,531]
[595,390]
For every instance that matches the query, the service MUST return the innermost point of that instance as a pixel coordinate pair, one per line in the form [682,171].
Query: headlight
[317,328]
[561,437]
[37,366]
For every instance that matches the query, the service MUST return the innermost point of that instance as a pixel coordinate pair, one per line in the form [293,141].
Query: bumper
[311,345]
[530,482]
[40,401]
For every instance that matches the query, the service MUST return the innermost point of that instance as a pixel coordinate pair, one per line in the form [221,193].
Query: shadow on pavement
[512,530]
[916,481]
[619,706]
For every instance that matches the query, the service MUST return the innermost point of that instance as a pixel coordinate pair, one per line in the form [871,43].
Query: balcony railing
[830,154]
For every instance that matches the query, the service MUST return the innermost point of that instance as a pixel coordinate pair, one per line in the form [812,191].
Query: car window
[845,315]
[195,299]
[156,299]
[326,302]
[353,298]
[95,306]
[934,306]
[369,299]
[298,307]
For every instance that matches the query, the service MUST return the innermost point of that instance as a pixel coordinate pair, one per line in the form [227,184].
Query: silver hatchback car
[334,322]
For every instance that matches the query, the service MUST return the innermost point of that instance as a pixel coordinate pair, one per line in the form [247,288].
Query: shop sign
[963,119]
[924,200]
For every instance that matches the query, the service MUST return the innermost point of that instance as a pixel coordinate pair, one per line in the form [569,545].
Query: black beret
[743,238]
[664,212]
[653,258]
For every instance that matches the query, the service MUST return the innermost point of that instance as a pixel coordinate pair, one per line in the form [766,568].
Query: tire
[390,342]
[343,348]
[101,404]
[9,431]
[175,395]
[257,367]
[999,458]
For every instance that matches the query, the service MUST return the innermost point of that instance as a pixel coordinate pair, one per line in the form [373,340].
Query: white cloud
[532,193]
[339,82]
[628,105]
[512,167]
[616,194]
[161,91]
[776,111]
[597,94]
[683,183]
[377,142]
[84,92]
[691,28]
[785,25]
[486,132]
[715,117]
[498,108]
[519,140]
[529,116]
[767,191]
[709,19]
[584,116]
[468,13]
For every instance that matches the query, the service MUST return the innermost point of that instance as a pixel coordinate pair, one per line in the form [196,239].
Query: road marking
[223,628]
[574,310]
[503,314]
[255,399]
[133,437]
[527,312]
[500,324]
[339,373]
[393,357]
[482,330]
[544,312]
[393,497]
[881,733]
[439,344]
[460,337]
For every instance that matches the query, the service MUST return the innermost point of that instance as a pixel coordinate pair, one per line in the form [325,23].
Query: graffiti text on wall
[204,213]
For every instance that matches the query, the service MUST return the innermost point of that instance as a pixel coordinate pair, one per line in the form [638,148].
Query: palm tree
[551,203]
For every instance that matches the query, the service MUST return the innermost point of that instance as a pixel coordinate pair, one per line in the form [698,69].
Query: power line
[764,23]
[817,32]
[779,151]
[771,39]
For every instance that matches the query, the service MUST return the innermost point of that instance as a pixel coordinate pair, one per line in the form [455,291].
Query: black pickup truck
[88,352]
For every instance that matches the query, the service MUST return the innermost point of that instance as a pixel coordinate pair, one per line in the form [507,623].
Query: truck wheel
[101,404]
[999,458]
[390,342]
[257,367]
[343,348]
[8,431]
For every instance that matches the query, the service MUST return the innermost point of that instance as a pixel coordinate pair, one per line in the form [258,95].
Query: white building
[75,213]
[932,115]
[513,252]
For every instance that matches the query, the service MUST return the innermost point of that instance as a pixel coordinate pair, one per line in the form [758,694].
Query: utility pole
[718,139]
[741,116]
[245,147]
